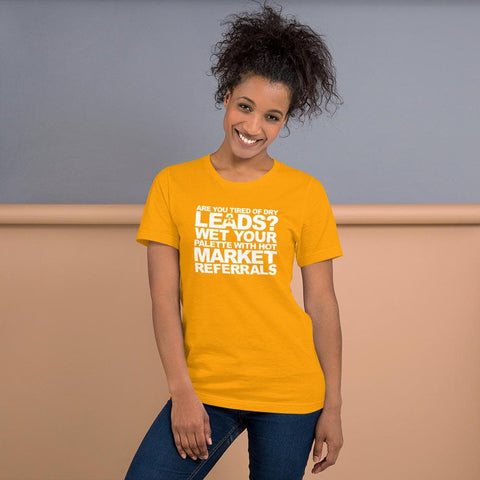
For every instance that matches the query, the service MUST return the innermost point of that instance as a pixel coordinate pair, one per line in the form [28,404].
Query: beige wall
[82,379]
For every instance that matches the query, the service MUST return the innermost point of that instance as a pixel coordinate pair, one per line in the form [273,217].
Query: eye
[245,107]
[273,117]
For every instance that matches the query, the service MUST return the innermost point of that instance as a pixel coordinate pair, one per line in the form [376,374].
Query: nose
[253,126]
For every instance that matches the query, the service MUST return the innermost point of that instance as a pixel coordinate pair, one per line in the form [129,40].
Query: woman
[222,232]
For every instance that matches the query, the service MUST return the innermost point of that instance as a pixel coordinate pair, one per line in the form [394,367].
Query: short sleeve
[318,238]
[157,223]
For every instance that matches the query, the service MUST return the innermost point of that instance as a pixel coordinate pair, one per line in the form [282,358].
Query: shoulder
[301,178]
[184,171]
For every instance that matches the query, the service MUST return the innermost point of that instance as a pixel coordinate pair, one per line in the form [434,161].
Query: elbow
[320,308]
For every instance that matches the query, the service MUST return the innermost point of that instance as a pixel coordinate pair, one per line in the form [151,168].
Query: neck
[225,158]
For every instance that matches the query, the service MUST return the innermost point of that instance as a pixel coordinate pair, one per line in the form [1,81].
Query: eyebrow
[274,110]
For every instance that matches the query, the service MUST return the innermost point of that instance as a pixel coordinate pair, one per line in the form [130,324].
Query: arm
[190,421]
[321,305]
[164,278]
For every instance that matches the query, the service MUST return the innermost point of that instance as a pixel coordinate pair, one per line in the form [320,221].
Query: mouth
[247,141]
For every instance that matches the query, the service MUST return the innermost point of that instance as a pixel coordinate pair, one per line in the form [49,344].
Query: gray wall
[97,96]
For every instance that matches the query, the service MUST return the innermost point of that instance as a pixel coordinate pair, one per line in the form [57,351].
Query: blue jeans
[279,445]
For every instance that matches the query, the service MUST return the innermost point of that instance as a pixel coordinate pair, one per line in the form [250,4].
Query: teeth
[246,140]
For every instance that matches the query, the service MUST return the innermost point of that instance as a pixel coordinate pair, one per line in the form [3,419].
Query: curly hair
[282,50]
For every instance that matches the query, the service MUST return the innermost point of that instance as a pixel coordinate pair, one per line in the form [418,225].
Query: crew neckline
[232,184]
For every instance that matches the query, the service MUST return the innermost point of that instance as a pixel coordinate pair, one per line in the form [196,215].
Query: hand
[190,426]
[328,430]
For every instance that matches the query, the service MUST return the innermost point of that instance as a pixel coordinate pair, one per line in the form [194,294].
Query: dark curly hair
[280,49]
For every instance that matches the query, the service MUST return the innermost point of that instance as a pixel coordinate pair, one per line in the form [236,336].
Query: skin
[257,108]
[321,305]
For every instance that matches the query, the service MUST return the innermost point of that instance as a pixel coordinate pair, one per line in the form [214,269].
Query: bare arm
[321,304]
[190,421]
[322,307]
[164,277]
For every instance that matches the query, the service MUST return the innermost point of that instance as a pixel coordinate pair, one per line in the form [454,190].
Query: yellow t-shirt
[248,344]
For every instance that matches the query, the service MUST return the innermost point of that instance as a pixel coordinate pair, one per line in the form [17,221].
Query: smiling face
[256,111]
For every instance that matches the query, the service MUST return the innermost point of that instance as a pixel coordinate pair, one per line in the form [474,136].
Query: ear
[227,98]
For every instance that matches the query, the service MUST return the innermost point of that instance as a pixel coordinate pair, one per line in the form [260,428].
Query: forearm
[327,337]
[169,337]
